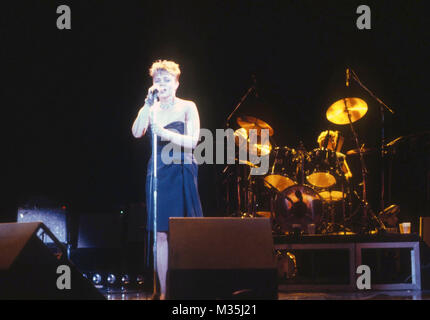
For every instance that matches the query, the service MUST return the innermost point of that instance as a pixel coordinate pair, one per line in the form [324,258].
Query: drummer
[333,140]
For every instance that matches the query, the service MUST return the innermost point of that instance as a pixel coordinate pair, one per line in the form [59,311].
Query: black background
[69,97]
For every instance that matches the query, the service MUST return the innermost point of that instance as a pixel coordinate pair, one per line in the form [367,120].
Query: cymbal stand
[366,209]
[227,125]
[363,164]
[250,196]
[227,122]
[301,171]
[383,151]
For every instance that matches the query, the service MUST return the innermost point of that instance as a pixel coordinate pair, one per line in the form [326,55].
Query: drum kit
[304,192]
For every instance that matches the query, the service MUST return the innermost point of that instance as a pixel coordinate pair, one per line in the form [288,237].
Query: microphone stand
[154,195]
[383,151]
[227,125]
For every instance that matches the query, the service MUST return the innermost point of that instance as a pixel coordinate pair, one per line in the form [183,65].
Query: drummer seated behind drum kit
[308,191]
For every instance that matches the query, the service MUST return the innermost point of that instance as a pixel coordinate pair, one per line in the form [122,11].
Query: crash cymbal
[240,135]
[337,113]
[255,148]
[260,149]
[357,151]
[249,123]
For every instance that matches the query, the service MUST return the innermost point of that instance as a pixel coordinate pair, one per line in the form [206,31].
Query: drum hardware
[351,109]
[389,216]
[286,264]
[382,107]
[242,99]
[380,226]
[363,150]
[333,198]
[302,156]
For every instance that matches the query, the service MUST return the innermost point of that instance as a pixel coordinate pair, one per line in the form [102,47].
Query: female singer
[176,123]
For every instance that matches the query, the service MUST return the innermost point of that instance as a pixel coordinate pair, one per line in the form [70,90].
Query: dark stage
[70,97]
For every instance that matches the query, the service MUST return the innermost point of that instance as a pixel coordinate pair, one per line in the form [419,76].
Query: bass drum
[297,207]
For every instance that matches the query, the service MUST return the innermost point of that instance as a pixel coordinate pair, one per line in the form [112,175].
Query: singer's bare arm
[141,122]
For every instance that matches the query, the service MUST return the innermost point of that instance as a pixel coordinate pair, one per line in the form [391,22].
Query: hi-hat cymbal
[337,113]
[250,123]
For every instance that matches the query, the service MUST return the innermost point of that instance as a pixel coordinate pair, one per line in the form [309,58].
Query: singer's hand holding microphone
[152,95]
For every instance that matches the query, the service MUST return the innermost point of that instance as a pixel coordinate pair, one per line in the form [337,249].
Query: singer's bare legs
[162,260]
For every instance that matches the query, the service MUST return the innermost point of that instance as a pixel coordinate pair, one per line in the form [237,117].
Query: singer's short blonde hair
[170,66]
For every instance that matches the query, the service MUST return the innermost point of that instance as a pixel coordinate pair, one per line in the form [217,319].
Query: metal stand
[383,152]
[154,195]
[227,125]
[227,122]
[154,190]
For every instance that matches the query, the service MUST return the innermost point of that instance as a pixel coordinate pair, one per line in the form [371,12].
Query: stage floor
[332,295]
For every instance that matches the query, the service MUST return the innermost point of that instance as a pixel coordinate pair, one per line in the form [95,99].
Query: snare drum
[322,167]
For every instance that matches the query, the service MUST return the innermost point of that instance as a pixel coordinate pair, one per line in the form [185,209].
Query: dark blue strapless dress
[178,194]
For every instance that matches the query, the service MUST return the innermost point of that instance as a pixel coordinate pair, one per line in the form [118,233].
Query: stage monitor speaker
[29,269]
[221,258]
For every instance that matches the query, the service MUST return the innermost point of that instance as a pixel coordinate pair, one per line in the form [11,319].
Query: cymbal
[248,163]
[354,152]
[392,143]
[249,123]
[260,149]
[255,148]
[337,113]
[264,214]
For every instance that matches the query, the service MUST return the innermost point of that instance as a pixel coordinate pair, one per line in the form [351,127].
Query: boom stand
[383,152]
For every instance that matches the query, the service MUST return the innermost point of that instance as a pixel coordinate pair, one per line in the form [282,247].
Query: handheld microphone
[152,96]
[155,94]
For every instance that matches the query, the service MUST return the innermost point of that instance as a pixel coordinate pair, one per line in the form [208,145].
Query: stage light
[125,279]
[140,280]
[97,279]
[111,278]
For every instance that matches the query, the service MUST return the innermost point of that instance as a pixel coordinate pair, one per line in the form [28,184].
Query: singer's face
[167,83]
